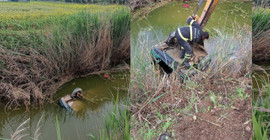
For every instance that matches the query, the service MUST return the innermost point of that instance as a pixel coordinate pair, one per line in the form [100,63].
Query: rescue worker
[182,35]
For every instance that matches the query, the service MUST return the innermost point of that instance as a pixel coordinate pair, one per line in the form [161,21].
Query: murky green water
[156,26]
[9,121]
[260,78]
[89,117]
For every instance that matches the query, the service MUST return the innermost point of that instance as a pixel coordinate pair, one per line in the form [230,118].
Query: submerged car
[168,58]
[67,101]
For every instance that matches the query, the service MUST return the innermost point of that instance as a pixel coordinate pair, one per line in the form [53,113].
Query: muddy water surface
[156,26]
[260,78]
[89,117]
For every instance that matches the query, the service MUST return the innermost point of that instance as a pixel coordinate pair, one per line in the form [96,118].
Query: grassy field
[43,45]
[20,23]
[210,101]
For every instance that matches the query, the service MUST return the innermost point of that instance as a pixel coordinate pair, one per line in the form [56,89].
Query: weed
[213,99]
[116,125]
[19,133]
[261,112]
[241,93]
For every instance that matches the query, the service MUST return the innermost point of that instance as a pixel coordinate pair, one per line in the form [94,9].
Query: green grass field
[26,24]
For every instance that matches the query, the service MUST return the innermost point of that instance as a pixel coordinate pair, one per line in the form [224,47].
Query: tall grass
[116,123]
[260,20]
[260,44]
[261,107]
[261,3]
[20,132]
[260,34]
[86,39]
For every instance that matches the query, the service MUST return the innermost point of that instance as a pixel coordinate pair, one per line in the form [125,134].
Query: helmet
[76,90]
[171,39]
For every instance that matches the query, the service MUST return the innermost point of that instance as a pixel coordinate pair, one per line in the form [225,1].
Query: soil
[218,123]
[229,122]
[236,125]
[143,7]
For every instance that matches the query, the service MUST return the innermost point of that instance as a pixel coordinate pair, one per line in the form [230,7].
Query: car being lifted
[168,57]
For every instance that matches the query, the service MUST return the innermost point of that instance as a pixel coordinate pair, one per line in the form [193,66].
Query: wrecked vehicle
[67,101]
[168,57]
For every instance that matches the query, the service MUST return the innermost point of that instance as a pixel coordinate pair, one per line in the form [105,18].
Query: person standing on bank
[182,35]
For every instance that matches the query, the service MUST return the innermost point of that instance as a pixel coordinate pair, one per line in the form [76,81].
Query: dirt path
[228,124]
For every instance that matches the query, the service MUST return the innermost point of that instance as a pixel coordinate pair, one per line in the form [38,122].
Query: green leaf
[58,129]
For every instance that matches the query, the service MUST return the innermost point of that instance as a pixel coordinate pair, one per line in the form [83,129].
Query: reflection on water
[89,117]
[159,23]
[260,77]
[9,121]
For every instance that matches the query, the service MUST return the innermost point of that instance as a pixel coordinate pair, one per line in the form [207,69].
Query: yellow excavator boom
[206,13]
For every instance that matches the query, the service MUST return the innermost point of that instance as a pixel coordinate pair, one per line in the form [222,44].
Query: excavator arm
[206,13]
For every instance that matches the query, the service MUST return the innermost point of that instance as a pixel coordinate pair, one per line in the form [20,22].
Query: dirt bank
[137,4]
[219,110]
[31,75]
[143,7]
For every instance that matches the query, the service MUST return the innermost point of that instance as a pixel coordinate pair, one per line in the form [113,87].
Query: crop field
[27,19]
[40,13]
[44,44]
